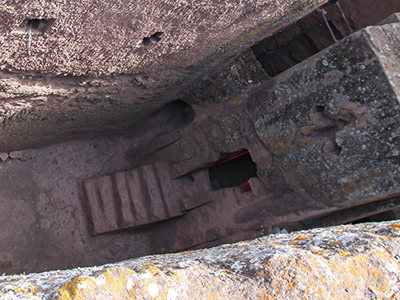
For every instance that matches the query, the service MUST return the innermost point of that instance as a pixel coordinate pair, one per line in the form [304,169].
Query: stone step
[140,196]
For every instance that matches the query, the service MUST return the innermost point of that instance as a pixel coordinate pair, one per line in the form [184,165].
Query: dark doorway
[234,169]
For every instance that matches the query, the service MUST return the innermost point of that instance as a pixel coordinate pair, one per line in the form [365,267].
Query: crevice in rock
[35,26]
[154,38]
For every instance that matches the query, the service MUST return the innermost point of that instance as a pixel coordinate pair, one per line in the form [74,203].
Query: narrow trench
[62,239]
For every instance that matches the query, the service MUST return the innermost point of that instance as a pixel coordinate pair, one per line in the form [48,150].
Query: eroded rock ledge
[343,262]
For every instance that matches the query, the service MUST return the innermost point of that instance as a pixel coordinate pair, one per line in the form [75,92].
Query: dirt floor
[44,218]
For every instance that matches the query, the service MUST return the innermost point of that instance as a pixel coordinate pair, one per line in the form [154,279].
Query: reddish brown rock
[92,67]
[323,134]
[142,196]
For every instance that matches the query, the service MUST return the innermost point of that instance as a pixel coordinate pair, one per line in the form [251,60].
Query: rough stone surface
[323,134]
[342,262]
[330,123]
[227,82]
[90,71]
[94,37]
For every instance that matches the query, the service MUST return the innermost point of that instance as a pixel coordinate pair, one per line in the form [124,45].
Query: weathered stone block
[331,122]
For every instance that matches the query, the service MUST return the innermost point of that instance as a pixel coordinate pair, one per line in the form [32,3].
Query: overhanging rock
[88,67]
[343,262]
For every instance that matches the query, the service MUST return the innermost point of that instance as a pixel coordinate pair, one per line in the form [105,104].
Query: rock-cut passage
[314,145]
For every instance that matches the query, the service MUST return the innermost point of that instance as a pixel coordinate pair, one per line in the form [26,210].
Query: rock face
[343,262]
[93,37]
[394,18]
[315,144]
[78,69]
[331,122]
[323,136]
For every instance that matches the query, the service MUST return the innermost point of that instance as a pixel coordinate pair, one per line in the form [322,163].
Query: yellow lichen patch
[335,244]
[314,288]
[299,239]
[314,119]
[325,252]
[26,289]
[358,259]
[118,280]
[318,251]
[264,296]
[215,295]
[302,237]
[150,269]
[395,226]
[260,273]
[379,282]
[342,252]
[70,289]
[112,283]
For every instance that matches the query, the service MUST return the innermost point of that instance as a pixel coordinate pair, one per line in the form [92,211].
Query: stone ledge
[343,262]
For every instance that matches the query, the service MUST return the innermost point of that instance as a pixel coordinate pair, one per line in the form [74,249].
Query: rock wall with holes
[343,262]
[78,69]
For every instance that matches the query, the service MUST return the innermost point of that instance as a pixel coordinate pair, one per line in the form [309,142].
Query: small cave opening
[176,114]
[320,107]
[234,169]
[154,38]
[35,26]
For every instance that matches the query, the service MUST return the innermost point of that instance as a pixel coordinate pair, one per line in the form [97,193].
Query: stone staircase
[141,196]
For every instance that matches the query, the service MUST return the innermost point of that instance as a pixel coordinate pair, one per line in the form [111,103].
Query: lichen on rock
[342,262]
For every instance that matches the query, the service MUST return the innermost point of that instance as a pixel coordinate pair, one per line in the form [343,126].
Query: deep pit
[48,218]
